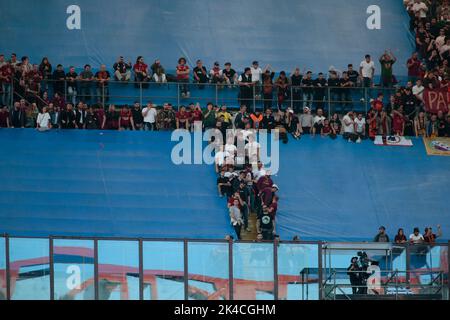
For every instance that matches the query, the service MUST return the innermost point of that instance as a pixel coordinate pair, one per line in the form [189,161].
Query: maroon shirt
[3,119]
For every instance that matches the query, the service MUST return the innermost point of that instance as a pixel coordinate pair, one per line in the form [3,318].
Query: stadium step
[252,225]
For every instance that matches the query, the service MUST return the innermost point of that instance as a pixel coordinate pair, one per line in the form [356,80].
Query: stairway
[252,225]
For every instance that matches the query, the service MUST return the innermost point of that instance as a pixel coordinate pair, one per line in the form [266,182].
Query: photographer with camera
[353,272]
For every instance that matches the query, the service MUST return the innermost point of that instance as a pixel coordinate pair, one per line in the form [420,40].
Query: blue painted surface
[314,34]
[345,191]
[115,184]
[124,184]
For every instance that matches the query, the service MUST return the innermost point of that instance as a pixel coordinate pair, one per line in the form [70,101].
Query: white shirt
[259,173]
[420,7]
[220,157]
[230,148]
[350,128]
[256,73]
[318,119]
[151,114]
[367,68]
[415,238]
[252,149]
[212,72]
[418,91]
[43,120]
[360,124]
[440,41]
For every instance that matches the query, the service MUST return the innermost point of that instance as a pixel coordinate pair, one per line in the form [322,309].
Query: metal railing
[136,268]
[330,99]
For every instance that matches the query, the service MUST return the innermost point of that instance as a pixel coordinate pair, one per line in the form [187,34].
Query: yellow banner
[438,146]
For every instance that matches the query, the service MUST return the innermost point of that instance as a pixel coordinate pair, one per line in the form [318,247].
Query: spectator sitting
[209,116]
[381,236]
[220,157]
[141,74]
[318,122]
[268,121]
[336,123]
[159,74]
[216,74]
[416,237]
[17,116]
[229,75]
[86,77]
[122,70]
[80,115]
[430,237]
[400,236]
[68,117]
[200,74]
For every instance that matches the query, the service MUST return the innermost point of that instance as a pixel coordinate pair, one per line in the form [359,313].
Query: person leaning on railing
[429,236]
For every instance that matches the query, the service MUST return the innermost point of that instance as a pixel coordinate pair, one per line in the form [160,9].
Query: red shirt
[377,105]
[141,67]
[397,122]
[6,71]
[196,115]
[183,115]
[183,68]
[414,69]
[3,119]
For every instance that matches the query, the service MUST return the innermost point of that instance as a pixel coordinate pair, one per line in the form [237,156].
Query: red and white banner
[437,99]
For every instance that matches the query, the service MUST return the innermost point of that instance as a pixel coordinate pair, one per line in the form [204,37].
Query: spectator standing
[349,127]
[308,89]
[45,68]
[367,71]
[137,116]
[43,120]
[102,76]
[4,117]
[209,116]
[320,85]
[387,60]
[256,78]
[414,65]
[360,127]
[71,81]
[229,75]
[58,80]
[381,236]
[236,218]
[183,77]
[246,93]
[86,77]
[149,113]
[430,237]
[306,121]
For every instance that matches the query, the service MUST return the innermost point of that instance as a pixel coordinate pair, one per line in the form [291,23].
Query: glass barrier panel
[253,274]
[73,265]
[2,268]
[298,271]
[118,270]
[29,269]
[160,93]
[208,271]
[163,270]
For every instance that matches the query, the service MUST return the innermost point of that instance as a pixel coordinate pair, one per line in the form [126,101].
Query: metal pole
[320,275]
[230,269]
[52,270]
[275,269]
[329,102]
[141,270]
[8,275]
[186,273]
[217,94]
[292,99]
[254,98]
[140,93]
[178,96]
[96,296]
[448,270]
[11,94]
[408,263]
[103,94]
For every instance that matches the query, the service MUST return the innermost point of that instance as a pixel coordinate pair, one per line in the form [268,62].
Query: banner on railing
[436,99]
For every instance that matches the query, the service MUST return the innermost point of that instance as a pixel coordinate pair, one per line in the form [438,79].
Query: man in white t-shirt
[149,114]
[367,71]
[349,127]
[256,77]
[360,127]
[418,90]
[252,150]
[421,8]
[43,120]
[258,172]
[220,158]
[416,237]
